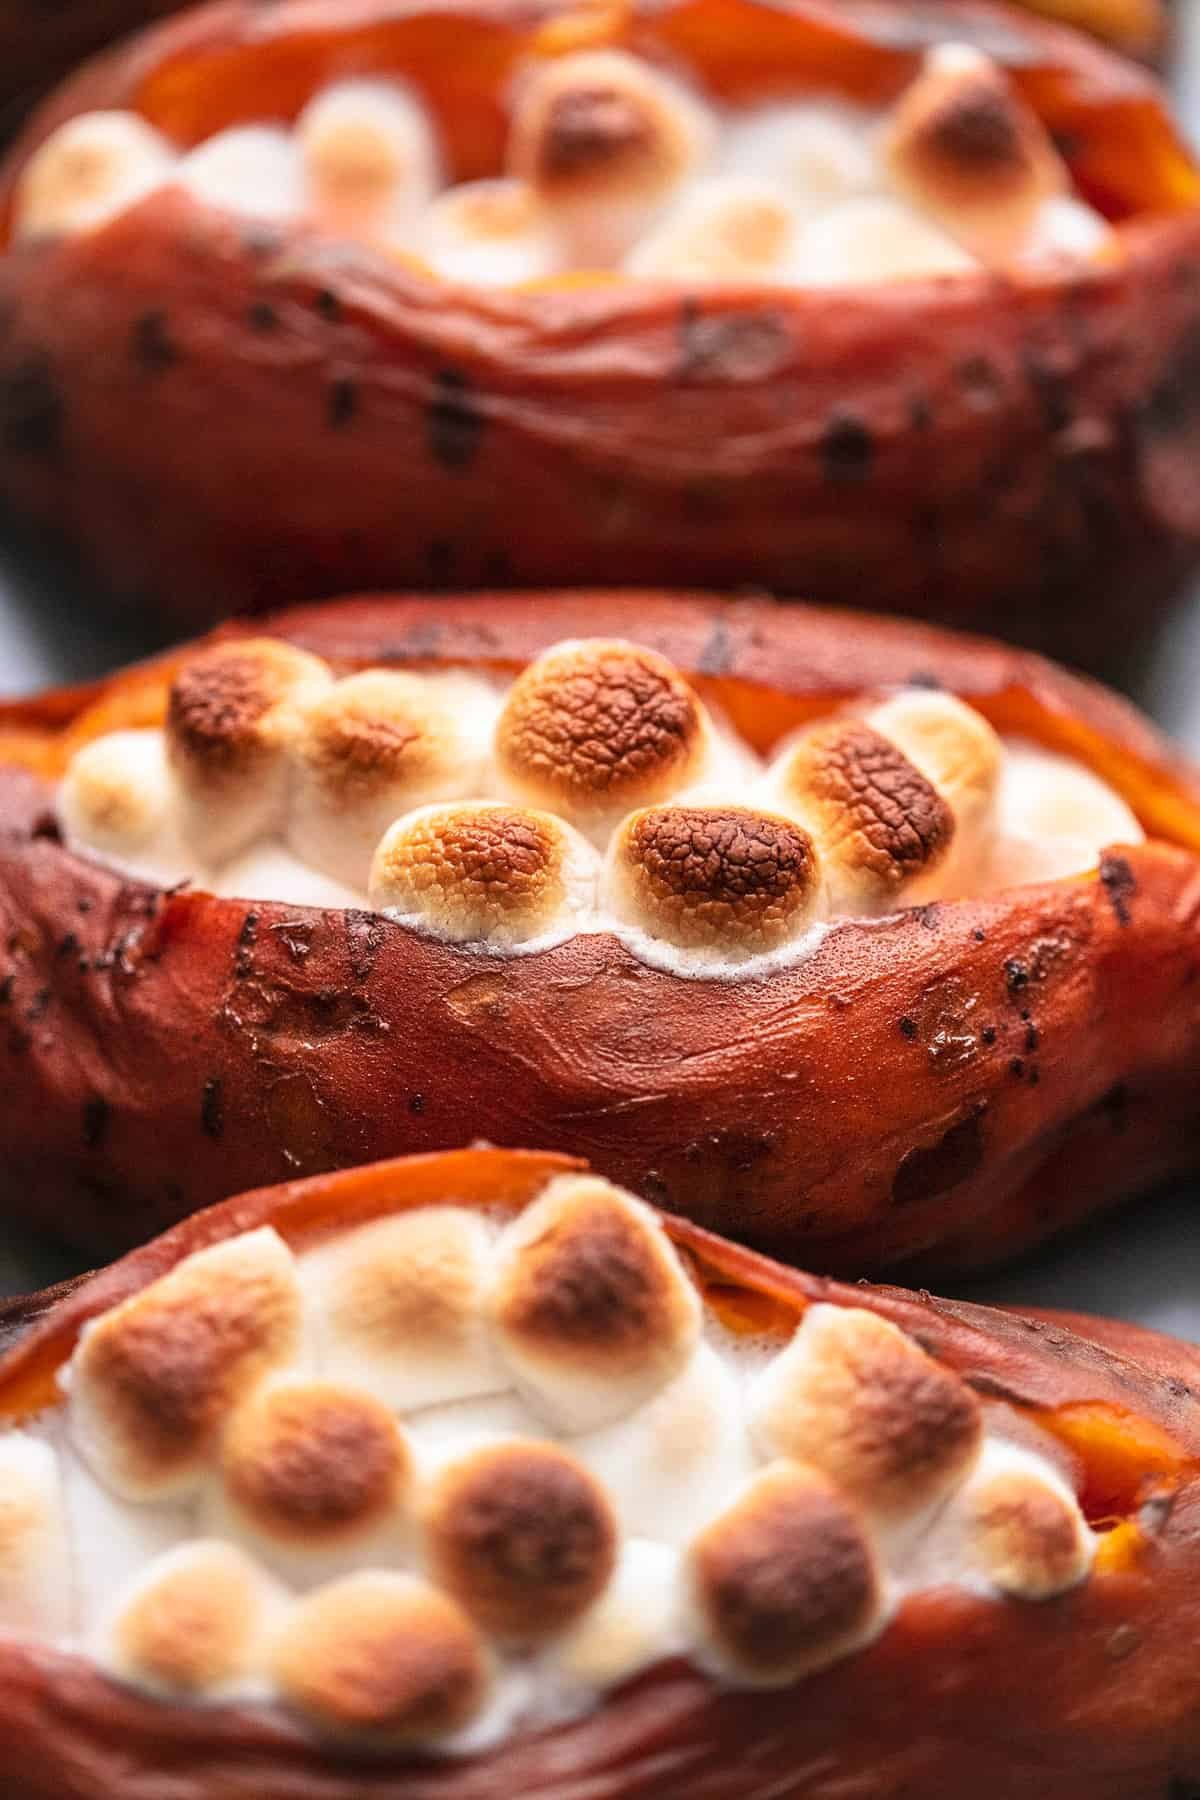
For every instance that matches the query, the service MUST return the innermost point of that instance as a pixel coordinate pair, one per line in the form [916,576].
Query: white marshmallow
[370,161]
[87,171]
[817,152]
[874,239]
[726,228]
[36,1564]
[268,870]
[249,169]
[488,234]
[637,1621]
[118,799]
[1053,818]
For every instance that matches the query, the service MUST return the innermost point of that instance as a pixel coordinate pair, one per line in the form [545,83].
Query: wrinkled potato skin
[1097,1692]
[220,416]
[160,1051]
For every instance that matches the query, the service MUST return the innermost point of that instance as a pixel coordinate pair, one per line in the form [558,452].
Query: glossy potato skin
[945,1087]
[1094,1696]
[219,415]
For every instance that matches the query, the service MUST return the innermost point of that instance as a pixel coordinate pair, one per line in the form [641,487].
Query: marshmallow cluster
[613,164]
[595,792]
[446,1475]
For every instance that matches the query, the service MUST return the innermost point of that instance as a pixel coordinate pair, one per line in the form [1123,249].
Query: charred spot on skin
[455,423]
[924,1173]
[741,346]
[341,402]
[908,1029]
[95,1120]
[847,449]
[328,306]
[262,317]
[1016,976]
[31,409]
[212,1109]
[154,349]
[981,382]
[364,939]
[416,1105]
[1120,884]
[246,939]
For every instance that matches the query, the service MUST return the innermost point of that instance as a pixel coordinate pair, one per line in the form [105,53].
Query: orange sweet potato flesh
[40,45]
[1095,1696]
[942,1089]
[220,416]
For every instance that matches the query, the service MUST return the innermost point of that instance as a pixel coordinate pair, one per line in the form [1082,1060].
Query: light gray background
[1143,1265]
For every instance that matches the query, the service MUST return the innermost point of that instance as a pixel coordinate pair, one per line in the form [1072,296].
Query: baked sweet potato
[289,366]
[755,913]
[465,1476]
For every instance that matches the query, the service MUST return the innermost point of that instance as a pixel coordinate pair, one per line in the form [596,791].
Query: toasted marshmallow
[727,228]
[878,824]
[369,157]
[786,1580]
[489,234]
[956,750]
[87,171]
[35,1546]
[268,870]
[383,1655]
[1064,227]
[196,1624]
[674,1463]
[720,883]
[870,239]
[312,1470]
[963,146]
[1023,1528]
[590,1304]
[638,1620]
[485,872]
[253,170]
[118,799]
[522,1535]
[815,152]
[374,747]
[1053,818]
[399,1306]
[598,726]
[233,710]
[152,1381]
[855,1397]
[604,139]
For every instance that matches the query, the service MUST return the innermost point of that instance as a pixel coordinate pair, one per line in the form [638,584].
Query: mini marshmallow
[196,1625]
[489,234]
[872,239]
[399,1305]
[726,228]
[268,870]
[1053,819]
[604,139]
[675,1462]
[232,711]
[118,798]
[878,824]
[485,872]
[132,1537]
[856,1398]
[384,1655]
[815,152]
[786,1580]
[373,747]
[522,1535]
[1065,227]
[595,727]
[590,1304]
[956,750]
[370,162]
[253,170]
[36,1597]
[153,1380]
[1023,1528]
[962,145]
[638,1620]
[722,883]
[87,171]
[314,1474]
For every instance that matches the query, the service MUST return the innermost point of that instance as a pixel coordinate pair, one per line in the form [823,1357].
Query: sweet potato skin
[1041,1047]
[1092,1695]
[222,416]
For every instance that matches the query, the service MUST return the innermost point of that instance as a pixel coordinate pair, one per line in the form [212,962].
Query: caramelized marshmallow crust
[596,792]
[616,164]
[445,1476]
